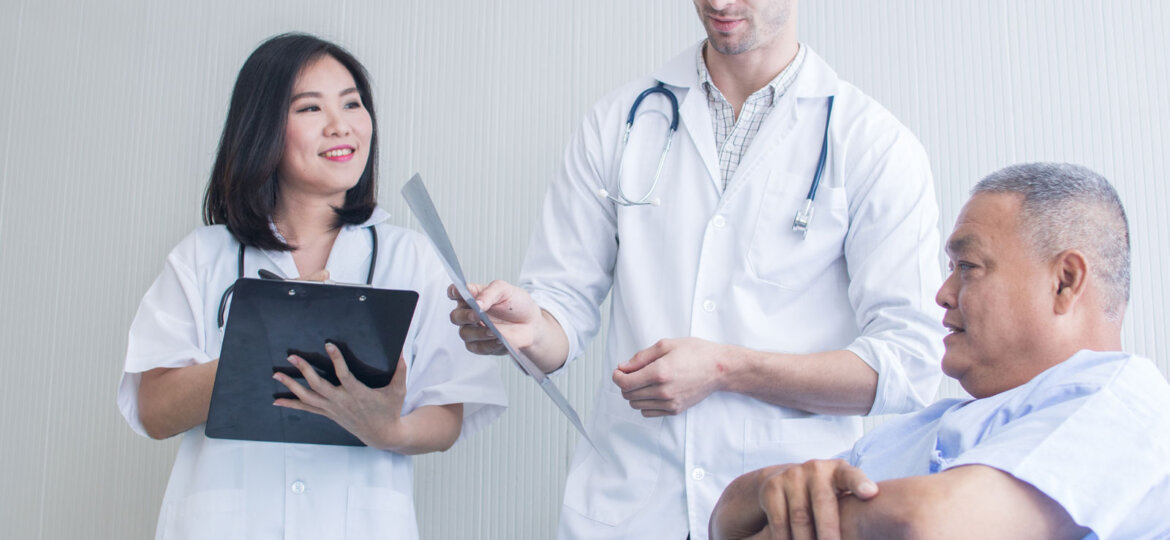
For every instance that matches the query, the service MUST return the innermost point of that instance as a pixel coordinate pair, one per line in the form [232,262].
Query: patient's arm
[973,501]
[823,499]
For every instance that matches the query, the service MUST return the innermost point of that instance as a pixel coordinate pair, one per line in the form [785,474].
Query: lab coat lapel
[283,260]
[696,119]
[349,260]
[816,81]
[350,257]
[682,75]
[770,140]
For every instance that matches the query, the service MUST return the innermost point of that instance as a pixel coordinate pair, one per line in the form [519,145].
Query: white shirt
[225,489]
[1092,433]
[726,266]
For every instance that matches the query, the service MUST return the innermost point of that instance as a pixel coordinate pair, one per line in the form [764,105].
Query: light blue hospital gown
[1092,433]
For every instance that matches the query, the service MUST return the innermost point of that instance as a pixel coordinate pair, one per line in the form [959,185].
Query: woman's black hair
[244,184]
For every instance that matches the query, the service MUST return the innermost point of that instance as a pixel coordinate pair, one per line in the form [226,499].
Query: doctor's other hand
[373,415]
[672,375]
[788,501]
[511,309]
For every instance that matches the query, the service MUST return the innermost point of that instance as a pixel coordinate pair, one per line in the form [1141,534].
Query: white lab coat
[226,489]
[728,268]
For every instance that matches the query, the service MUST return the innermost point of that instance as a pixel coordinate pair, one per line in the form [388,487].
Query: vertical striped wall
[110,112]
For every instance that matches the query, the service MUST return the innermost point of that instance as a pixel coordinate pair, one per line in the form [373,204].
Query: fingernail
[330,346]
[276,376]
[867,488]
[292,360]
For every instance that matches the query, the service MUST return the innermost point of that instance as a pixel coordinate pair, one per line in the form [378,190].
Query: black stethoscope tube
[812,190]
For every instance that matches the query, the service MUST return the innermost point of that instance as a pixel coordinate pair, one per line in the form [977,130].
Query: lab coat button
[298,487]
[698,473]
[708,306]
[719,222]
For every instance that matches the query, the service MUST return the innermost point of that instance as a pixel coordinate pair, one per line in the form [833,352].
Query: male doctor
[735,341]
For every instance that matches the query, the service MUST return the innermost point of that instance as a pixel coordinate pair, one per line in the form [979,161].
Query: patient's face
[996,298]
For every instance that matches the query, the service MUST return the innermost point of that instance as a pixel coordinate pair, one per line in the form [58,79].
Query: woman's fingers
[344,376]
[305,395]
[316,382]
[299,405]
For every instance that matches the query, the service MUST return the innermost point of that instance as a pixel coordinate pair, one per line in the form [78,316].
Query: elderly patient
[1067,437]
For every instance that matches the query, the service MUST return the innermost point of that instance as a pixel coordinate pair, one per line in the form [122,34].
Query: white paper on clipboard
[420,203]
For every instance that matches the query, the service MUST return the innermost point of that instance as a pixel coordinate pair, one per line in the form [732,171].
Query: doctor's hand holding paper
[652,382]
[770,273]
[521,321]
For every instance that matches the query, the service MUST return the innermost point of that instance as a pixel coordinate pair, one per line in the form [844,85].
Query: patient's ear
[1071,272]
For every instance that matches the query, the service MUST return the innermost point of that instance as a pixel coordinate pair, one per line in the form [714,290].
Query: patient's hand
[788,501]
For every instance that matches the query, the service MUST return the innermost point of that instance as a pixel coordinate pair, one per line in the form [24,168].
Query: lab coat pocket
[372,512]
[775,441]
[783,257]
[613,485]
[217,513]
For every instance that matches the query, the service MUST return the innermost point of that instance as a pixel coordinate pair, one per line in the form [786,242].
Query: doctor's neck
[748,44]
[740,75]
[305,220]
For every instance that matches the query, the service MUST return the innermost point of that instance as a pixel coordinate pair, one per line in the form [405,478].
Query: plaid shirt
[734,135]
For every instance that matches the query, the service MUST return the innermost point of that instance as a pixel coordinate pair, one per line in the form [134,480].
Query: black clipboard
[269,320]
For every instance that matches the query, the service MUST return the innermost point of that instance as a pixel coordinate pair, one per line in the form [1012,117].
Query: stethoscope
[645,199]
[223,300]
[803,216]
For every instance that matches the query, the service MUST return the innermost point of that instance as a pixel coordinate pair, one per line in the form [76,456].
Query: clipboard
[268,321]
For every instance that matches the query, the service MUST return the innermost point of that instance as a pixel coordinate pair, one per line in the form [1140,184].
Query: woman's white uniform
[725,265]
[226,489]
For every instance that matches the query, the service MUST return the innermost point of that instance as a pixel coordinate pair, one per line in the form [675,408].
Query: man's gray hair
[1070,207]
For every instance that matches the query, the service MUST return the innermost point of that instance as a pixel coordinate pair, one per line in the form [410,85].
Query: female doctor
[292,191]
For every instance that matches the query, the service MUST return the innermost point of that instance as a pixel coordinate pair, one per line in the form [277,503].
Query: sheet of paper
[420,203]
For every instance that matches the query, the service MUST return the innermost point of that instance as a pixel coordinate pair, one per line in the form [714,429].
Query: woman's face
[327,139]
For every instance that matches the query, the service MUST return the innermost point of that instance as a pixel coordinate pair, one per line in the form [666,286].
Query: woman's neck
[309,227]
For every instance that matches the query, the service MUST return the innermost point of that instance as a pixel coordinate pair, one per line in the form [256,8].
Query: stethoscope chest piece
[804,216]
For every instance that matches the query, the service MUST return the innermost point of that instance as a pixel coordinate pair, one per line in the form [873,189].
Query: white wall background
[110,113]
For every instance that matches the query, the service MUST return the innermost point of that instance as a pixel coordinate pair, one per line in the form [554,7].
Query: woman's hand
[373,415]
